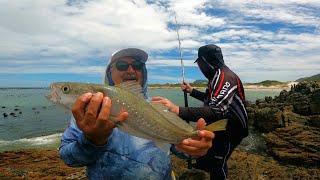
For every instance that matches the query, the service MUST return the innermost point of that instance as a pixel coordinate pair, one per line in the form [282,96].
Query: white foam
[35,142]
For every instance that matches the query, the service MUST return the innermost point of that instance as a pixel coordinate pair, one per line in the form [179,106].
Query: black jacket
[224,96]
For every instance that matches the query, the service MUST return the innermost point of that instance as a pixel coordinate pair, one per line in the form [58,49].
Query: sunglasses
[123,65]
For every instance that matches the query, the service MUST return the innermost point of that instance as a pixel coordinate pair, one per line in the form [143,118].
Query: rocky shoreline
[46,164]
[290,123]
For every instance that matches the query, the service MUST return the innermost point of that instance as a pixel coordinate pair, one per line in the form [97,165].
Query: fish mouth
[54,96]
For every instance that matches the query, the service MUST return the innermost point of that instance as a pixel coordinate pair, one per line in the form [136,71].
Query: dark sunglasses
[123,65]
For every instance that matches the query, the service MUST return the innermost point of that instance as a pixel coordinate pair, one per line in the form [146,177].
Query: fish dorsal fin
[132,87]
[217,126]
[170,116]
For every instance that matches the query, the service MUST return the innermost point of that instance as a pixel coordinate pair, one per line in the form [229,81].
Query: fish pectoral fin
[217,126]
[164,147]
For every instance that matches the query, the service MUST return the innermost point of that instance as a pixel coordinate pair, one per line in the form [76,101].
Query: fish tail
[217,126]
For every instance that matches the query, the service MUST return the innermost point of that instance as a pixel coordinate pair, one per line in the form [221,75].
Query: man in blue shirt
[92,140]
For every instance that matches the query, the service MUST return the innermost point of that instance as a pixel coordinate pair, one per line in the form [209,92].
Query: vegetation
[311,78]
[197,83]
[203,83]
[267,83]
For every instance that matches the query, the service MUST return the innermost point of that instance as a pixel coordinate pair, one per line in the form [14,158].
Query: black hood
[209,59]
[212,54]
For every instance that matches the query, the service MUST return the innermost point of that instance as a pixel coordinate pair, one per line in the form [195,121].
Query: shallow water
[38,123]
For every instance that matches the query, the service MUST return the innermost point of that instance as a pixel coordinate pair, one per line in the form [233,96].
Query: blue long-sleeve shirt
[123,157]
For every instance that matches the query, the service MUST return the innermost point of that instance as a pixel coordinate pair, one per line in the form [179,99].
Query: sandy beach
[246,87]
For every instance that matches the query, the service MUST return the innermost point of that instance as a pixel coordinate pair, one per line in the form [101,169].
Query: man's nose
[130,69]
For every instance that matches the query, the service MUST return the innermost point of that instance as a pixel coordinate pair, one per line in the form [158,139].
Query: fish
[146,119]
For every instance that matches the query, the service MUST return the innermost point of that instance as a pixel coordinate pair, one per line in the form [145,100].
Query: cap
[130,52]
[208,51]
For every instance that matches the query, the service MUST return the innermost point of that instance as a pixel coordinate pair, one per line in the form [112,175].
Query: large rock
[268,119]
[295,144]
[315,102]
[294,107]
[290,118]
[304,97]
[314,121]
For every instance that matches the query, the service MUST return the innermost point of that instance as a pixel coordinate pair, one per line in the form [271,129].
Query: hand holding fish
[197,147]
[193,147]
[94,123]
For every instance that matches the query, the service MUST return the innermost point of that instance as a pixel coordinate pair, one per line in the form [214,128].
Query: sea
[29,121]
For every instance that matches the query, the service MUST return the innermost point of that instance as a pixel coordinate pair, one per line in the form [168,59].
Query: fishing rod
[181,61]
[183,79]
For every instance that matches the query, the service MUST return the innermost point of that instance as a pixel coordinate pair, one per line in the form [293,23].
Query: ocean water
[29,120]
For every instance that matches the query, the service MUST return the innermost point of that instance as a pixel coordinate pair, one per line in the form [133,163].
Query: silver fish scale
[145,119]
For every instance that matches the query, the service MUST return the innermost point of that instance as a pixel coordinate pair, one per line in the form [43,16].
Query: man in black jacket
[224,98]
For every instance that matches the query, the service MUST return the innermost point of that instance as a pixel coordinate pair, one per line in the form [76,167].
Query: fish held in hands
[147,120]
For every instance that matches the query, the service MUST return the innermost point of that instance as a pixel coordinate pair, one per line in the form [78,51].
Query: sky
[43,41]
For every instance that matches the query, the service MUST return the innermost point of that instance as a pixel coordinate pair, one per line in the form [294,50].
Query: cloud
[272,39]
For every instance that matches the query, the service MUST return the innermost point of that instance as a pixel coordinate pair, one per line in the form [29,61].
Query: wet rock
[242,165]
[302,101]
[295,144]
[289,117]
[268,99]
[35,164]
[314,121]
[304,97]
[315,102]
[267,119]
[248,103]
[193,174]
[258,101]
[292,120]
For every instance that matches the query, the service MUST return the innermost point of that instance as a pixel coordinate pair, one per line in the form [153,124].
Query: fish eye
[65,89]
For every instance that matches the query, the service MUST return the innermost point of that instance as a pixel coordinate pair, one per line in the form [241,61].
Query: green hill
[267,83]
[196,83]
[311,78]
[200,82]
[203,83]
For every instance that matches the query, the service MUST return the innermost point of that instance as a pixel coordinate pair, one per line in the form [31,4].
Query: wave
[42,142]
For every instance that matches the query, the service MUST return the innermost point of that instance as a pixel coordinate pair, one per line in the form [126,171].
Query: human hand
[172,107]
[186,86]
[197,147]
[92,120]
